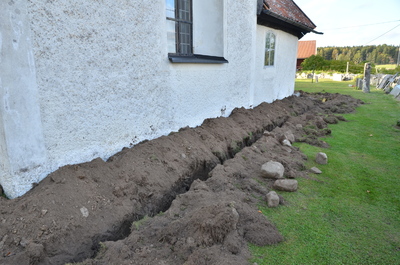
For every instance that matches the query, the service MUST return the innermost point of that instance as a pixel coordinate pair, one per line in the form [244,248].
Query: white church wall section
[91,77]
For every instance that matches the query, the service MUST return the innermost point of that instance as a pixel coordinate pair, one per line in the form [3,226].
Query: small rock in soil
[272,169]
[24,242]
[286,142]
[286,185]
[290,136]
[85,212]
[268,134]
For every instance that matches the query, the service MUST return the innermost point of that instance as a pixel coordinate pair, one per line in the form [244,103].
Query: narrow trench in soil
[154,207]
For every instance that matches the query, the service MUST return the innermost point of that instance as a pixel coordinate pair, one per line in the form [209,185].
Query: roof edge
[304,14]
[292,22]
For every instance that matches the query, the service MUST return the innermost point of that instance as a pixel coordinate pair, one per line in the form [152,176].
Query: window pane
[266,59]
[179,26]
[269,49]
[184,38]
[267,41]
[184,10]
[170,8]
[185,49]
[272,41]
[271,57]
[171,36]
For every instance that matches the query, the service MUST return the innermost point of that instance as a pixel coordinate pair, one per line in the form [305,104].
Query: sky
[353,22]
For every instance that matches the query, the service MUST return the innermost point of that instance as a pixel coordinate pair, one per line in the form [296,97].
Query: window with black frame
[179,27]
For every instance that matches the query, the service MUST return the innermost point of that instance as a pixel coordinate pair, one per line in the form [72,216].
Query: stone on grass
[321,158]
[286,185]
[272,170]
[272,199]
[315,170]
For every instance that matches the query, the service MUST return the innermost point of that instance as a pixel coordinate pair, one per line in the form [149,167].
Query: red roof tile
[306,49]
[289,10]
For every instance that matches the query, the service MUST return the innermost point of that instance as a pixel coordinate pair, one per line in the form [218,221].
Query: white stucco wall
[102,75]
[22,149]
[202,90]
[275,82]
[100,80]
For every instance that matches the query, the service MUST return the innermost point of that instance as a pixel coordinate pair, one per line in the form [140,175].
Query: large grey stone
[272,199]
[286,185]
[321,158]
[272,169]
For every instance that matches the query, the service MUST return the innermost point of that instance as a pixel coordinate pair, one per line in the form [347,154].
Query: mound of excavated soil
[187,198]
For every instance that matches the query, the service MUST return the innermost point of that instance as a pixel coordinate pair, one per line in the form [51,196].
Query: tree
[325,52]
[335,54]
[341,57]
[357,57]
[375,54]
[314,62]
[371,57]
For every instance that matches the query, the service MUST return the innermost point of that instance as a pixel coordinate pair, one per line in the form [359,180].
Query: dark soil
[187,198]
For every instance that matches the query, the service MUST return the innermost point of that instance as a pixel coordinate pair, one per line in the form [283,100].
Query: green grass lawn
[387,66]
[352,214]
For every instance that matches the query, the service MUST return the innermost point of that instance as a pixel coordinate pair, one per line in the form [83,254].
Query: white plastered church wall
[94,78]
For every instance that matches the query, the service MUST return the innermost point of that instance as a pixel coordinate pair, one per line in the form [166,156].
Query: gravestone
[395,91]
[367,77]
[384,81]
[359,83]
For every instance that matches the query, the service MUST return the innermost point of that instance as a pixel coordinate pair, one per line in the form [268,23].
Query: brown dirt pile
[187,198]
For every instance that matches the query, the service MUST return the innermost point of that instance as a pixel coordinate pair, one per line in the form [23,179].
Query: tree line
[335,59]
[375,54]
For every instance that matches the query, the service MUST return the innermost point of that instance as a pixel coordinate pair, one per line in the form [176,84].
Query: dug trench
[187,198]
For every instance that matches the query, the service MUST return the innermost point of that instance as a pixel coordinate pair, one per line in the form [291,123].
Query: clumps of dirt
[201,227]
[187,198]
